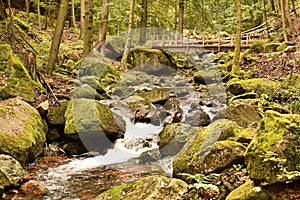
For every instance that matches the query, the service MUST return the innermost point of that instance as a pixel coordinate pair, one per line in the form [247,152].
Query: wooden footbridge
[215,43]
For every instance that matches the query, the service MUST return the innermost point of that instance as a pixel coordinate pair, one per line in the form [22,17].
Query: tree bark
[265,17]
[73,20]
[289,19]
[11,25]
[27,9]
[180,18]
[2,11]
[62,13]
[82,9]
[39,13]
[88,27]
[129,34]
[237,50]
[283,18]
[143,23]
[103,24]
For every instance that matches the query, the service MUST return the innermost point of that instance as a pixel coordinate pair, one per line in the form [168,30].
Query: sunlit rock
[11,172]
[211,150]
[273,155]
[22,130]
[150,187]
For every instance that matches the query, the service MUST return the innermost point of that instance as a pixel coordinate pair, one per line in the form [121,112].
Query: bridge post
[219,42]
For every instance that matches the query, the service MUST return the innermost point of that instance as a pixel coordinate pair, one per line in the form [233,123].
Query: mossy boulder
[86,91]
[155,95]
[55,115]
[91,122]
[15,79]
[150,187]
[152,58]
[11,172]
[243,114]
[211,150]
[22,130]
[173,137]
[258,85]
[273,155]
[248,191]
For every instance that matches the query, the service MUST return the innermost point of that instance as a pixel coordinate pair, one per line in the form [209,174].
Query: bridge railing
[205,41]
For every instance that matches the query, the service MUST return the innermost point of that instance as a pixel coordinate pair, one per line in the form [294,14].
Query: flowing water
[85,177]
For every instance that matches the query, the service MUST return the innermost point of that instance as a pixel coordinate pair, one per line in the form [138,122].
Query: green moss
[282,47]
[258,85]
[151,187]
[202,143]
[248,191]
[273,154]
[25,138]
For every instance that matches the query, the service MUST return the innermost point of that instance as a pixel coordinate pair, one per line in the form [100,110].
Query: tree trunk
[2,11]
[237,50]
[103,24]
[265,17]
[88,27]
[294,8]
[283,18]
[180,18]
[27,9]
[62,13]
[143,23]
[73,20]
[82,9]
[277,7]
[39,13]
[129,34]
[11,25]
[288,16]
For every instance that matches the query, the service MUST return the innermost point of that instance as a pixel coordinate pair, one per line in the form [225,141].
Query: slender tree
[2,11]
[180,18]
[73,20]
[62,13]
[129,34]
[143,23]
[27,9]
[39,13]
[237,50]
[283,18]
[88,27]
[82,9]
[289,19]
[103,24]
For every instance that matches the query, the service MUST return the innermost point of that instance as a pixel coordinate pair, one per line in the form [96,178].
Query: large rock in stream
[211,150]
[22,130]
[93,123]
[273,155]
[11,172]
[150,187]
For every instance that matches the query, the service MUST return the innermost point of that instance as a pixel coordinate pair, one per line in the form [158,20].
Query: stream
[86,176]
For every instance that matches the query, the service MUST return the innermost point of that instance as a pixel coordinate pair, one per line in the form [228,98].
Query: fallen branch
[48,86]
